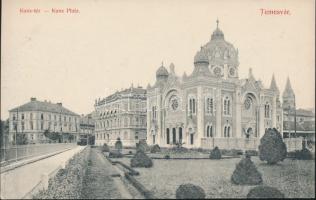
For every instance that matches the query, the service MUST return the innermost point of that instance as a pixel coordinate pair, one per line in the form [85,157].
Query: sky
[75,58]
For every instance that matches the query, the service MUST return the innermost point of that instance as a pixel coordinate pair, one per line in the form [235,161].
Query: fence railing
[292,144]
[230,143]
[14,153]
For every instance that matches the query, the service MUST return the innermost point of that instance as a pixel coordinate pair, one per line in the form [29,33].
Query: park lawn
[294,178]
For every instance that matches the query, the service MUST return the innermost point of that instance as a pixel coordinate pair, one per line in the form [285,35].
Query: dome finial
[217,22]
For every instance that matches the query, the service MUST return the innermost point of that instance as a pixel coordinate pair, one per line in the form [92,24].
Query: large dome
[162,71]
[219,51]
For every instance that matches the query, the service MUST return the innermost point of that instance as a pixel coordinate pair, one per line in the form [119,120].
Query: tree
[246,173]
[272,148]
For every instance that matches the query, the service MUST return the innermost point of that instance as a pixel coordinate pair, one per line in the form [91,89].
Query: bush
[167,157]
[303,154]
[118,144]
[105,148]
[215,153]
[67,183]
[231,152]
[272,148]
[246,173]
[251,152]
[142,146]
[130,152]
[190,191]
[264,192]
[179,150]
[115,154]
[140,159]
[155,149]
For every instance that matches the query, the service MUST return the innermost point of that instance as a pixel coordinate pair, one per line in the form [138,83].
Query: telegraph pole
[294,116]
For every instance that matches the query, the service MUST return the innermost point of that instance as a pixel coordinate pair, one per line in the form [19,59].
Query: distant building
[33,118]
[87,125]
[305,119]
[121,115]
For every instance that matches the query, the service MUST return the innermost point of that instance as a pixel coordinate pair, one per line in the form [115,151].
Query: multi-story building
[305,119]
[87,125]
[212,106]
[121,115]
[33,118]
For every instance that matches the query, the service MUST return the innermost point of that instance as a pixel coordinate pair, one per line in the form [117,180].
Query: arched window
[267,110]
[227,131]
[168,136]
[154,112]
[209,131]
[227,106]
[209,105]
[192,106]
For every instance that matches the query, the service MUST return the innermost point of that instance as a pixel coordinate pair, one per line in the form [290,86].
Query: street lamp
[16,132]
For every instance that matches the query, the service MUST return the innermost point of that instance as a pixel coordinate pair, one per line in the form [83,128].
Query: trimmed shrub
[142,146]
[246,173]
[115,154]
[251,152]
[118,144]
[140,159]
[303,154]
[155,149]
[190,191]
[130,152]
[179,150]
[231,152]
[215,153]
[167,157]
[272,148]
[105,148]
[264,192]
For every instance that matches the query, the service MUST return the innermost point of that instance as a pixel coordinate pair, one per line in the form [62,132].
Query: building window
[267,110]
[191,139]
[192,106]
[13,118]
[168,136]
[154,112]
[42,125]
[227,131]
[22,117]
[180,135]
[31,125]
[227,106]
[209,106]
[22,125]
[42,116]
[174,135]
[209,131]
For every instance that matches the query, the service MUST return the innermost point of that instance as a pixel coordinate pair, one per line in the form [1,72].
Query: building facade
[87,126]
[305,119]
[211,106]
[121,115]
[33,118]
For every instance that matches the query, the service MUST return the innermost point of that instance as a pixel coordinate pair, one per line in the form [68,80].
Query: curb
[9,168]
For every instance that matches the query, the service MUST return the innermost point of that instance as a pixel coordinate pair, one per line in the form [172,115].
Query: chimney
[33,99]
[60,104]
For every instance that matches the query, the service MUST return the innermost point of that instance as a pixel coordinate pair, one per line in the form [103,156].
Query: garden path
[99,183]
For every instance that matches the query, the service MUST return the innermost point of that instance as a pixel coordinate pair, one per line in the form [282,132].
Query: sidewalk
[18,182]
